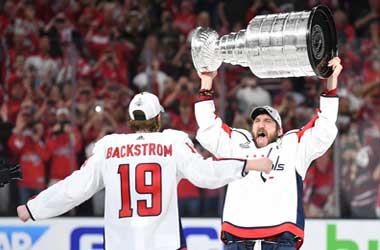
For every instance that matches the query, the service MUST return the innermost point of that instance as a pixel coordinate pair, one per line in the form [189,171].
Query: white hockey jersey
[273,203]
[140,173]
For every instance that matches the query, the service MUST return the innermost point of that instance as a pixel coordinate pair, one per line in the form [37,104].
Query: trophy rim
[324,71]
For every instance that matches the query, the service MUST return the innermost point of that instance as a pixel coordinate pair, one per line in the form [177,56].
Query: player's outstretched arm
[215,173]
[66,194]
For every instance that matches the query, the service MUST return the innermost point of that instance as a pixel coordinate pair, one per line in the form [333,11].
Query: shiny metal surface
[272,46]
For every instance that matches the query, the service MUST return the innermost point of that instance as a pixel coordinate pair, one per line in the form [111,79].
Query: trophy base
[321,41]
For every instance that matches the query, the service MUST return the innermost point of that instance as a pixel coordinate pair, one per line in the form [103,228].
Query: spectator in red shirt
[109,70]
[185,20]
[16,94]
[19,45]
[346,32]
[44,10]
[97,37]
[63,144]
[319,187]
[4,22]
[371,70]
[185,120]
[27,146]
[211,198]
[188,199]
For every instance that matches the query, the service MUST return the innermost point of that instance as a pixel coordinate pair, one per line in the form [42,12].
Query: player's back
[140,178]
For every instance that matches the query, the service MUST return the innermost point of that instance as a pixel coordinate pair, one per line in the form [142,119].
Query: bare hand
[206,79]
[336,66]
[332,81]
[23,213]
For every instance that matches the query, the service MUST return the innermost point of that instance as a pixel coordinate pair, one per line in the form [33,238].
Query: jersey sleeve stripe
[30,213]
[263,232]
[227,129]
[309,125]
[330,93]
[203,98]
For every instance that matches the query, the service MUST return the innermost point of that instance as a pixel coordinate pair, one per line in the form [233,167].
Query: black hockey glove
[9,172]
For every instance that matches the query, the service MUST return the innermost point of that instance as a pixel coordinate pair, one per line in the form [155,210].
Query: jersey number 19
[153,188]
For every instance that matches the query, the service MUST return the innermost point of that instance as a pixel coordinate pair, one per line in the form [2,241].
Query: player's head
[144,113]
[266,125]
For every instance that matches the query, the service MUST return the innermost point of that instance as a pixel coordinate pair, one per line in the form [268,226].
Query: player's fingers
[335,60]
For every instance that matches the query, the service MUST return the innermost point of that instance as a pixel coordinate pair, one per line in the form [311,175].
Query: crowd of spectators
[69,68]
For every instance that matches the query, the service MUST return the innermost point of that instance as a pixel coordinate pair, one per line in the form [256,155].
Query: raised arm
[318,135]
[214,135]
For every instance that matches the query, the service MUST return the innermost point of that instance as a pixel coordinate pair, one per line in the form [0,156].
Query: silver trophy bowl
[291,44]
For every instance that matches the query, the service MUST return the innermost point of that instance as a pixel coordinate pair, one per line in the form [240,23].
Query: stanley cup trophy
[273,46]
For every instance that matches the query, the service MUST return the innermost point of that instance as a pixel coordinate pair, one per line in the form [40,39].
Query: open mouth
[261,138]
[261,134]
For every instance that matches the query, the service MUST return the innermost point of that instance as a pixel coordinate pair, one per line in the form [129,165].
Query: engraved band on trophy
[290,44]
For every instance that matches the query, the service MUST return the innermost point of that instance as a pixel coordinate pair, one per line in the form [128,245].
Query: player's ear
[280,132]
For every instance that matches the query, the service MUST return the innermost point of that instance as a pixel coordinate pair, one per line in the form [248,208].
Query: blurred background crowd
[69,68]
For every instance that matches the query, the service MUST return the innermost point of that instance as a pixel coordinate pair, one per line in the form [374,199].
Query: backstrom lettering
[139,149]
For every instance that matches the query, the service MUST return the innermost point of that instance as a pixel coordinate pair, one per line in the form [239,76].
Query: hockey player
[139,172]
[264,210]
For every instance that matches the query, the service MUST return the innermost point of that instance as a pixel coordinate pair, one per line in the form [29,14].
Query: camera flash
[98,108]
